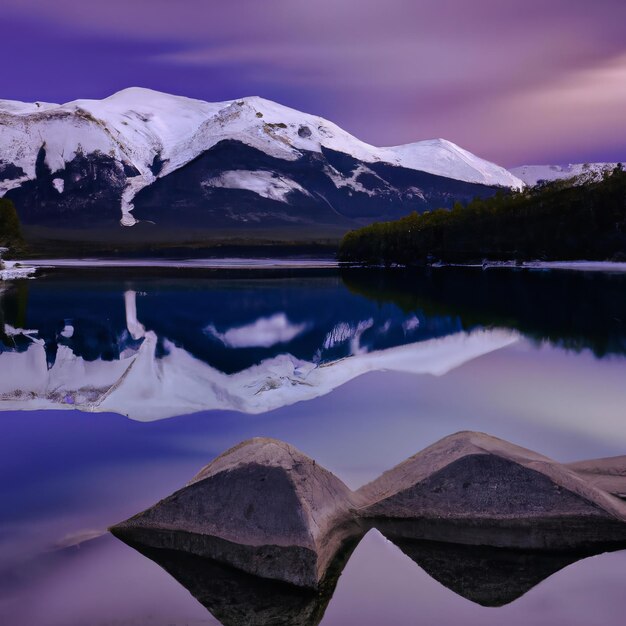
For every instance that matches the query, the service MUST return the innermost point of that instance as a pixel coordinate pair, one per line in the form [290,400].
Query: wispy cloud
[489,74]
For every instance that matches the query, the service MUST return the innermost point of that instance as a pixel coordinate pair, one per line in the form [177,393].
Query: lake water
[117,385]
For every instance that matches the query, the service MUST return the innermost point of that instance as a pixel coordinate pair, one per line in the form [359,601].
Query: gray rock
[304,131]
[262,507]
[472,488]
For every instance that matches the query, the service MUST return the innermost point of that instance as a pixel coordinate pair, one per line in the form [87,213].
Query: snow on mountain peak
[445,158]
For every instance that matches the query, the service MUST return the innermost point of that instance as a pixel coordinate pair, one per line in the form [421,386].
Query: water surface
[359,369]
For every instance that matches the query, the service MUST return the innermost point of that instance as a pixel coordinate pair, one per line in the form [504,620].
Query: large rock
[468,503]
[472,488]
[262,507]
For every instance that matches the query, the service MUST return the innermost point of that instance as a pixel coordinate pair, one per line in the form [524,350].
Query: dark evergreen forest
[563,220]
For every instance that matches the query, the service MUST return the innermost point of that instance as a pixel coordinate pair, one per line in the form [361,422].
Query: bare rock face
[261,507]
[471,488]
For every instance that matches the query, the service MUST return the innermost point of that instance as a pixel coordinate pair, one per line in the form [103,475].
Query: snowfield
[265,184]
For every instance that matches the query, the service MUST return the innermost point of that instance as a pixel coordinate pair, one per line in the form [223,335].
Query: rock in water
[472,488]
[269,511]
[262,507]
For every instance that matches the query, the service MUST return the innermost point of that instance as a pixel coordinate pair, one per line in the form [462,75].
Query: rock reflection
[239,599]
[490,577]
[485,575]
[262,533]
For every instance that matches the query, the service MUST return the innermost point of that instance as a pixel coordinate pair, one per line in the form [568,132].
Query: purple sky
[530,81]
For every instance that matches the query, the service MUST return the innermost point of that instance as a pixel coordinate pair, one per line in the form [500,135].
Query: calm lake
[118,385]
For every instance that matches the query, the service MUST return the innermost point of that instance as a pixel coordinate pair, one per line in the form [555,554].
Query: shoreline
[27,268]
[213,263]
[581,265]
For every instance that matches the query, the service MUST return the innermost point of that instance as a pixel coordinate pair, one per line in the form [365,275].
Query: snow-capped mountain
[534,174]
[179,163]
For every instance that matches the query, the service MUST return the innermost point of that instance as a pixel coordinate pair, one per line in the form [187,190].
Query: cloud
[263,333]
[584,107]
[568,119]
[389,72]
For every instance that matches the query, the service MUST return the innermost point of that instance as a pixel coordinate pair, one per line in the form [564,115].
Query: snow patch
[261,182]
[343,332]
[7,185]
[410,324]
[12,270]
[68,331]
[351,181]
[58,184]
[135,327]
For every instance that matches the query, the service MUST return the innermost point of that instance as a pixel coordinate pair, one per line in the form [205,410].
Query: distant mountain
[534,174]
[186,168]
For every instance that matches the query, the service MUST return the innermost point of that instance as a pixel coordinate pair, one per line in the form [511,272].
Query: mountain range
[178,170]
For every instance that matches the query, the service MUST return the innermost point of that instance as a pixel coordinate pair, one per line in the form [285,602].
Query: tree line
[562,220]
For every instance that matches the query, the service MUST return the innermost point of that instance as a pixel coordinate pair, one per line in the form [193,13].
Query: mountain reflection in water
[151,348]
